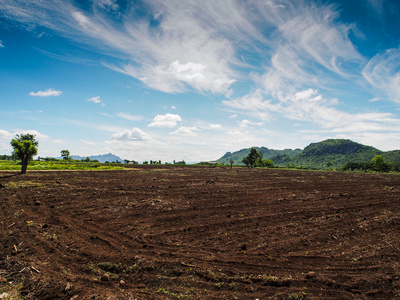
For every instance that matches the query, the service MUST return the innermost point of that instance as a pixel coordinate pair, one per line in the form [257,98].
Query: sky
[191,80]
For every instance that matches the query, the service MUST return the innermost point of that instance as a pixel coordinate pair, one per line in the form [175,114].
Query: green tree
[65,154]
[379,164]
[264,163]
[329,164]
[25,147]
[250,160]
[254,159]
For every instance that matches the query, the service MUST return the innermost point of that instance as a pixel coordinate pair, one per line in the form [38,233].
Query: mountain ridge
[101,157]
[316,155]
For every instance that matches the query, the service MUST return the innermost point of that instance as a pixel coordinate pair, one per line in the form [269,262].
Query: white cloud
[129,117]
[383,72]
[5,135]
[168,120]
[311,107]
[46,93]
[1,44]
[133,135]
[177,77]
[188,131]
[309,47]
[254,104]
[58,142]
[170,56]
[246,123]
[215,126]
[95,100]
[201,51]
[37,134]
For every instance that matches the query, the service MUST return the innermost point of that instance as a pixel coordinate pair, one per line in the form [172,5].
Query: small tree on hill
[25,147]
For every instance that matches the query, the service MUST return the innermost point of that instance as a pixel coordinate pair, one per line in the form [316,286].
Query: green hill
[316,155]
[267,154]
[337,151]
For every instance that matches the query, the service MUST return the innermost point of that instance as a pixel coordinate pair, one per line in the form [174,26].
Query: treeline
[87,159]
[378,164]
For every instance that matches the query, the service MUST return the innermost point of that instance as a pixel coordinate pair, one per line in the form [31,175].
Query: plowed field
[167,232]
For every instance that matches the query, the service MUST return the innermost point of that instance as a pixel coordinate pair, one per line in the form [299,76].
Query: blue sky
[171,79]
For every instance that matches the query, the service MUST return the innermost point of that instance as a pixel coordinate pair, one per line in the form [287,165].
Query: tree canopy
[379,164]
[25,147]
[65,154]
[255,159]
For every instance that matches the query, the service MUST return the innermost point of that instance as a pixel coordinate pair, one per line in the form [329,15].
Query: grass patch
[51,165]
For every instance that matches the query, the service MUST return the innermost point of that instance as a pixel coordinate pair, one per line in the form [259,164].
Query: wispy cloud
[58,142]
[201,51]
[186,131]
[1,44]
[89,143]
[168,121]
[253,104]
[377,6]
[246,123]
[383,72]
[166,55]
[46,93]
[309,48]
[129,117]
[311,107]
[106,115]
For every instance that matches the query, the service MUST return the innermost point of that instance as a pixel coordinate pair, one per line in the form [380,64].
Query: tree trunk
[24,166]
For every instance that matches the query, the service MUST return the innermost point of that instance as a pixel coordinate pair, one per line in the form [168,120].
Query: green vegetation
[332,154]
[377,164]
[255,159]
[65,154]
[268,154]
[25,148]
[58,165]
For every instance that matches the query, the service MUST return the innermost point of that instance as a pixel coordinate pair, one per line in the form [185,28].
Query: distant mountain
[101,158]
[316,155]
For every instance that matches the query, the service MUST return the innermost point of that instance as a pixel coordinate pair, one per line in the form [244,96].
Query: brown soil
[171,232]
